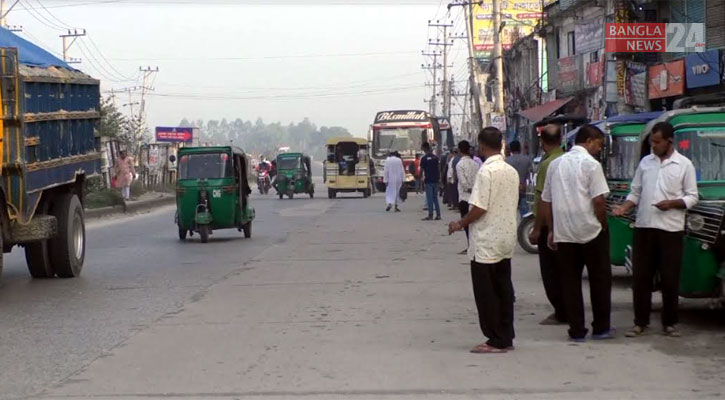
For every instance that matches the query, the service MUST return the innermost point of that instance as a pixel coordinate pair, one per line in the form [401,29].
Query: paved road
[329,299]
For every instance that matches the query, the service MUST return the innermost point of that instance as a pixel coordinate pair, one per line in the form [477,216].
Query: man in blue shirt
[430,166]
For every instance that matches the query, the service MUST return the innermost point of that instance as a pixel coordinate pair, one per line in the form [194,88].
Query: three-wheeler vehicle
[294,175]
[699,136]
[347,167]
[212,191]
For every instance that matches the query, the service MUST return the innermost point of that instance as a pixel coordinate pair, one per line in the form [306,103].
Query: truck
[403,131]
[49,116]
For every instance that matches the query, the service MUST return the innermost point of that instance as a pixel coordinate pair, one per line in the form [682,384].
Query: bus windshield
[623,158]
[705,147]
[407,141]
[205,166]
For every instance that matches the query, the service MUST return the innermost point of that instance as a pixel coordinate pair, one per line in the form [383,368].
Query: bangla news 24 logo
[654,38]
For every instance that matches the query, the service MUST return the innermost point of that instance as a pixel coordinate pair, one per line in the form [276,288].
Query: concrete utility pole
[498,57]
[445,43]
[475,101]
[73,35]
[4,14]
[434,68]
[147,73]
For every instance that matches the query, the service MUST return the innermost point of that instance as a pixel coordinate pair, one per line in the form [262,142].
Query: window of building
[571,41]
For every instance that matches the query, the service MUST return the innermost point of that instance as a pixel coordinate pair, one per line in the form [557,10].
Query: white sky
[334,61]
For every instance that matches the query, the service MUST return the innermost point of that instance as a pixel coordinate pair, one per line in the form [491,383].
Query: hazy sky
[334,61]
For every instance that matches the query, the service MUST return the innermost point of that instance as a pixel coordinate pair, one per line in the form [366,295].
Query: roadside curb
[131,208]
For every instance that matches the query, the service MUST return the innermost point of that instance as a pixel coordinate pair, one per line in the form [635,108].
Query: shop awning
[536,114]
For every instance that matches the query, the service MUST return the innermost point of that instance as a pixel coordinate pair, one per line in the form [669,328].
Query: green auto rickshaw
[294,175]
[212,191]
[699,136]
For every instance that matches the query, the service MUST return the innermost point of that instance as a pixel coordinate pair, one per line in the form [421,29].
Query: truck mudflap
[42,227]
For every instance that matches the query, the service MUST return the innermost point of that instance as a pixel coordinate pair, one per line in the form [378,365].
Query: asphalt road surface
[329,299]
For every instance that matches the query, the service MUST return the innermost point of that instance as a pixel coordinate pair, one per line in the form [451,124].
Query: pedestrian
[451,181]
[523,166]
[416,174]
[574,197]
[663,188]
[394,176]
[445,162]
[125,174]
[550,270]
[492,221]
[466,170]
[429,164]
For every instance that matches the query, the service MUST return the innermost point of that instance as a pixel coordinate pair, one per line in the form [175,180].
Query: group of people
[571,231]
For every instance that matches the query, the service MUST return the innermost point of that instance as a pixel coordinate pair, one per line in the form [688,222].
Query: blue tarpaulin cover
[29,53]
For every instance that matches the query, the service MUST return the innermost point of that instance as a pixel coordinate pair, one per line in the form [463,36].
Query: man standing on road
[550,269]
[393,176]
[429,164]
[575,197]
[664,186]
[466,170]
[522,164]
[492,219]
[125,174]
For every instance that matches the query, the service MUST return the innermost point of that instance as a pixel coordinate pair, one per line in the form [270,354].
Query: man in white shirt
[575,198]
[663,188]
[394,178]
[492,221]
[466,169]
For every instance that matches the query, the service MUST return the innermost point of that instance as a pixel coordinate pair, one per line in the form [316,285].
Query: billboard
[666,80]
[174,134]
[703,69]
[521,18]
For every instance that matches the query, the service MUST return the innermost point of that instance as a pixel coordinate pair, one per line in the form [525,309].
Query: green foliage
[137,189]
[113,123]
[259,137]
[104,198]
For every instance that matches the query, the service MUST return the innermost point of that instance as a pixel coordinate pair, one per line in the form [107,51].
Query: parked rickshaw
[699,136]
[212,191]
[294,175]
[347,167]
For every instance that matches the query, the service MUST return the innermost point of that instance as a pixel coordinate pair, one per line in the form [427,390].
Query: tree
[112,122]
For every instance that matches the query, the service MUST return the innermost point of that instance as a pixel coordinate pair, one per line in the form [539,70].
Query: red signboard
[667,80]
[635,38]
[174,134]
[568,73]
[595,73]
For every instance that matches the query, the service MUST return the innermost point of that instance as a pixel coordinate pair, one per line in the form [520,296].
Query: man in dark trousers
[574,197]
[550,275]
[663,188]
[492,222]
[430,167]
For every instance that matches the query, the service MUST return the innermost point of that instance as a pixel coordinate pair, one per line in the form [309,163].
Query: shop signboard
[589,35]
[568,73]
[666,80]
[703,69]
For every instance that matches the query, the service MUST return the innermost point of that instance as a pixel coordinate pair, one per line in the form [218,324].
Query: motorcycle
[525,227]
[263,181]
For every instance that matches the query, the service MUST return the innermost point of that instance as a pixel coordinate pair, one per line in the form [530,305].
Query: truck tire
[37,254]
[68,249]
[2,252]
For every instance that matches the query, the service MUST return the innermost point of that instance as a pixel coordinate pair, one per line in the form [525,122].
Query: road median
[132,207]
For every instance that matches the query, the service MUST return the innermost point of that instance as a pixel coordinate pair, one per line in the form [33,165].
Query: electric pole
[72,36]
[434,67]
[445,43]
[475,101]
[4,14]
[498,57]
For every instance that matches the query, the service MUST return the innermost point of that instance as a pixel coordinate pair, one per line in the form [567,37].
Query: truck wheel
[37,254]
[2,253]
[68,249]
[182,233]
[247,229]
[204,233]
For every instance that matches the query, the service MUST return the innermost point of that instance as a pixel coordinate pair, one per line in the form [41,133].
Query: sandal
[486,349]
[636,331]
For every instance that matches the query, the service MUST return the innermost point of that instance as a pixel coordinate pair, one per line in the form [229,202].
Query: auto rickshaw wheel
[331,193]
[291,195]
[182,233]
[312,195]
[204,233]
[247,228]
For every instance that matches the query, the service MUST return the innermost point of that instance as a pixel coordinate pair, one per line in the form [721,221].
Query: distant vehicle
[403,131]
[294,175]
[49,114]
[347,167]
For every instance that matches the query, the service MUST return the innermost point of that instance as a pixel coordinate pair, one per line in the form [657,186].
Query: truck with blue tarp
[49,116]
